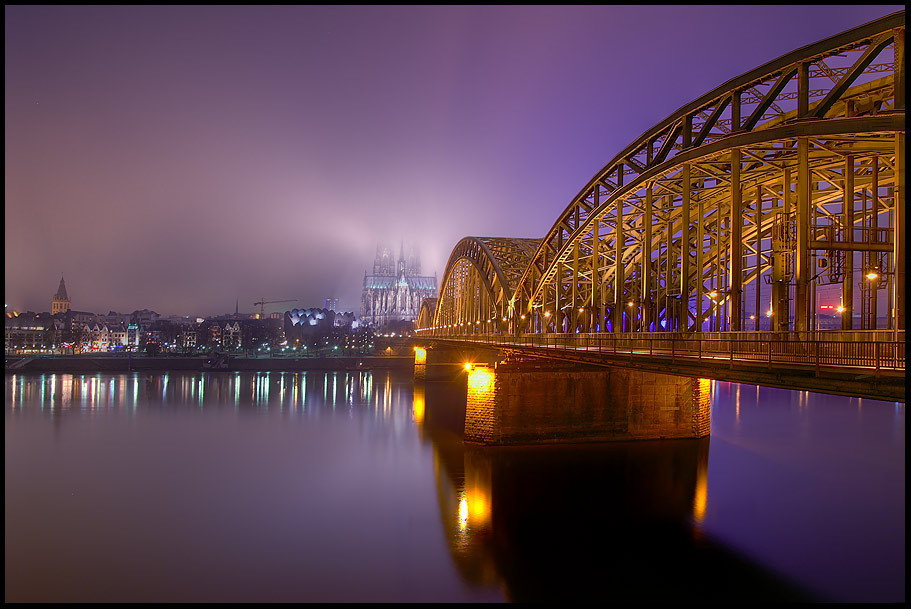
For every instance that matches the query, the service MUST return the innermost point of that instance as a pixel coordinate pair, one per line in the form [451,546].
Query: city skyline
[182,159]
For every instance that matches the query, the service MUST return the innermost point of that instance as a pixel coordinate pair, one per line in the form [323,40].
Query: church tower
[401,263]
[61,302]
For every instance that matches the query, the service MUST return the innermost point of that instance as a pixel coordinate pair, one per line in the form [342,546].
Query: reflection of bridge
[555,523]
[719,233]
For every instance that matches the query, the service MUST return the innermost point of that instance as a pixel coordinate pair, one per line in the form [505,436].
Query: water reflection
[288,392]
[221,487]
[583,522]
[326,512]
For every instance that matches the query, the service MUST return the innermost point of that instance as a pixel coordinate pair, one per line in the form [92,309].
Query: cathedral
[395,290]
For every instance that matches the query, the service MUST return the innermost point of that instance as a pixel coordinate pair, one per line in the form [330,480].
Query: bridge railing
[873,350]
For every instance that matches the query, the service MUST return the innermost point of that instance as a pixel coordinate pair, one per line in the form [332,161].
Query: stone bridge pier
[551,403]
[436,363]
[546,401]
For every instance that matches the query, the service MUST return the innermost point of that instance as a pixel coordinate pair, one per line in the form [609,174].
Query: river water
[356,486]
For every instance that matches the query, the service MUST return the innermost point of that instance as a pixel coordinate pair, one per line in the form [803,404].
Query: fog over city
[184,159]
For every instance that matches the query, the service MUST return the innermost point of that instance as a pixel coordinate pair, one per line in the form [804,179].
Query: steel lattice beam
[745,189]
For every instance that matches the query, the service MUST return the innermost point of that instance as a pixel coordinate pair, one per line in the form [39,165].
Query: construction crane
[262,305]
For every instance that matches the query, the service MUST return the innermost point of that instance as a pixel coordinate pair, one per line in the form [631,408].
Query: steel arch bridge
[725,217]
[787,177]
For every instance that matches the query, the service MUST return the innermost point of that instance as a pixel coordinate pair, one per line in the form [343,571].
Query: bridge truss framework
[739,205]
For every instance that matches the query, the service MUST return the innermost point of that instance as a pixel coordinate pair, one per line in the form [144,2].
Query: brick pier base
[512,405]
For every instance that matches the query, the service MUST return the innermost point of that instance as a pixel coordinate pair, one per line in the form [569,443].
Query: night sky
[184,158]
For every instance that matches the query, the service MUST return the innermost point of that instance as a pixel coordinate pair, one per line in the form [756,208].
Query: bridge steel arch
[477,284]
[425,316]
[793,167]
[738,205]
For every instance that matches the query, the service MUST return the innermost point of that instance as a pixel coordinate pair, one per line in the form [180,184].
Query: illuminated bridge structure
[701,248]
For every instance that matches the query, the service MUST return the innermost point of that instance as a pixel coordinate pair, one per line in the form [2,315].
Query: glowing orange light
[463,514]
[418,404]
[468,366]
[547,314]
[478,507]
[480,380]
[420,355]
[840,309]
[700,497]
[872,275]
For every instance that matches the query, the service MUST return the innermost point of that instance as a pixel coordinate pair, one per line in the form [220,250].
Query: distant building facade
[230,337]
[394,291]
[28,331]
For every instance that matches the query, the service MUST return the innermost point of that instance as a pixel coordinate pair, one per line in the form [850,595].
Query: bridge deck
[864,368]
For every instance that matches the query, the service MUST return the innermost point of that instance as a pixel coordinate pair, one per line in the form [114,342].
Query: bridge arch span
[726,216]
[425,316]
[740,188]
[478,283]
[713,235]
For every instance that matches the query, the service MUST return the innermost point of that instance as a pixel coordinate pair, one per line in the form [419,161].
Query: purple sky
[181,158]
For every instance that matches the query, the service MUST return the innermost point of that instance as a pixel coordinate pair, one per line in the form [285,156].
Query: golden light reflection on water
[479,507]
[418,401]
[700,497]
[472,507]
[478,488]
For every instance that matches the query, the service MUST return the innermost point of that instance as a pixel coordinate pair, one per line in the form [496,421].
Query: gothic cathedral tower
[395,290]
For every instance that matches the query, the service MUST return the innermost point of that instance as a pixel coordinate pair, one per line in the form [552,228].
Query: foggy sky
[184,158]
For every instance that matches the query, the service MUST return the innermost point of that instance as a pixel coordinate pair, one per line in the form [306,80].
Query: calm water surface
[356,486]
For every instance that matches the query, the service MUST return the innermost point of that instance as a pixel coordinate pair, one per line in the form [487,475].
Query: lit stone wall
[702,407]
[420,363]
[481,424]
[532,407]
